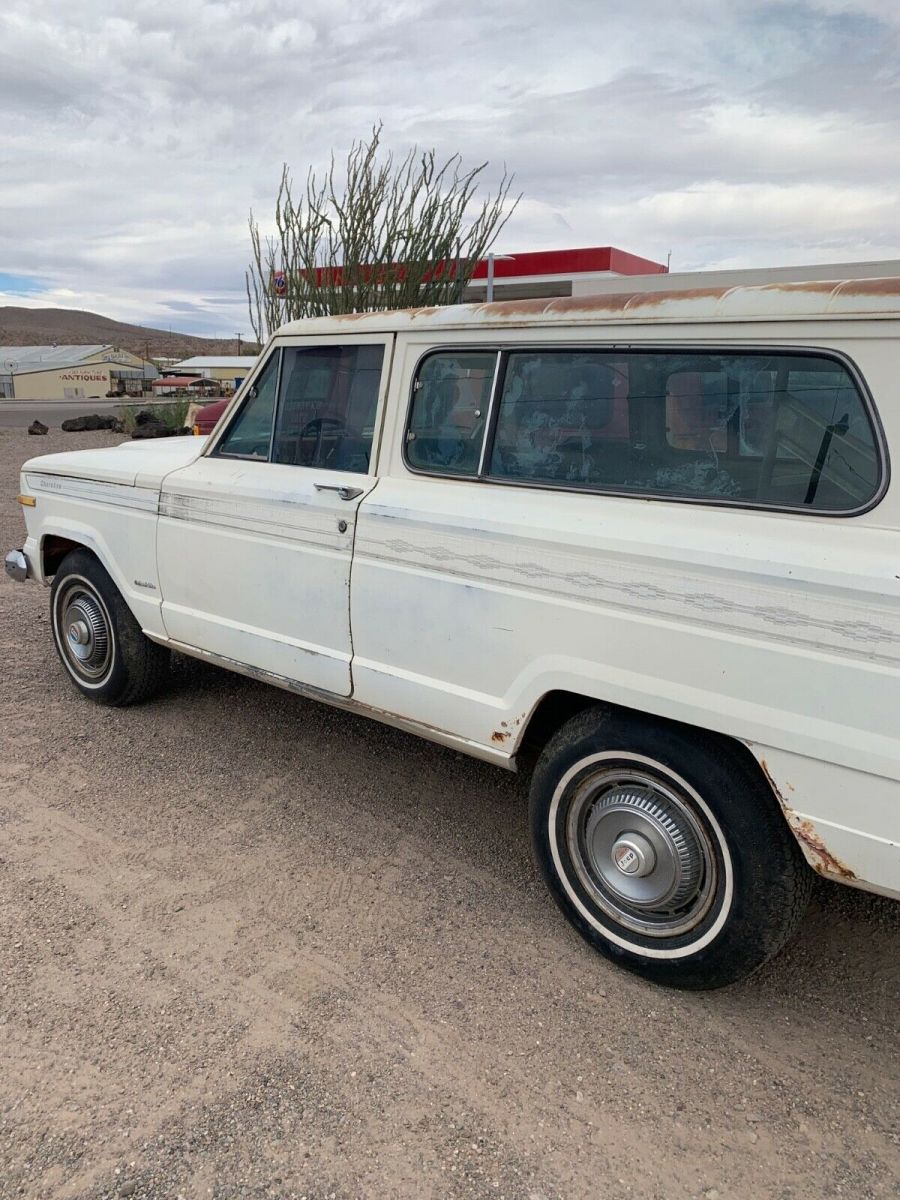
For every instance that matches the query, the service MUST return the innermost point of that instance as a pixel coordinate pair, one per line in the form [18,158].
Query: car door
[255,538]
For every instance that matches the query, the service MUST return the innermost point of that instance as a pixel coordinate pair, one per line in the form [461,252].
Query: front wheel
[98,641]
[665,849]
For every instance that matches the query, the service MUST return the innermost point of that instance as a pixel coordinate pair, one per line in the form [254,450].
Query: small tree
[377,234]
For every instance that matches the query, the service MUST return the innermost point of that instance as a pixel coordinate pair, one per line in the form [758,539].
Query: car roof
[816,299]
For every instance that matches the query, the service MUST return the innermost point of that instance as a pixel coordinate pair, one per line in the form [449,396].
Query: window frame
[505,350]
[309,341]
[214,451]
[496,382]
[385,343]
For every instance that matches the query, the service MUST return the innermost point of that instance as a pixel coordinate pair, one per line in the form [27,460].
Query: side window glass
[449,412]
[326,415]
[250,432]
[773,429]
[560,414]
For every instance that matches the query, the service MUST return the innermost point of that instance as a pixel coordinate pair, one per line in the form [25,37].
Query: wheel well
[557,707]
[54,549]
[552,711]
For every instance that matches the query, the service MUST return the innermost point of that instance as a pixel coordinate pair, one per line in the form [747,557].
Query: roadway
[18,414]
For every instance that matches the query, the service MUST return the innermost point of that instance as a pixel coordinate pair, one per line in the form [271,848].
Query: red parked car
[206,417]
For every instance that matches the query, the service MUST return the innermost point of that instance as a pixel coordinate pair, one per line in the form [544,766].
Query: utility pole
[239,345]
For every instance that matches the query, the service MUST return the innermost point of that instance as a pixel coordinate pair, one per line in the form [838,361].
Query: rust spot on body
[639,299]
[814,286]
[823,860]
[515,308]
[610,302]
[817,853]
[500,735]
[412,313]
[772,784]
[621,304]
[889,286]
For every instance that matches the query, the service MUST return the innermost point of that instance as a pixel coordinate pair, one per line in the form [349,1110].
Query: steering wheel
[318,425]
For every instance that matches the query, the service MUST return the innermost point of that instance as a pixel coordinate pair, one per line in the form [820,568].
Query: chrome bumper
[16,566]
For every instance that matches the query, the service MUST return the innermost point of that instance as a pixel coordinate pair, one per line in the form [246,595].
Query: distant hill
[44,326]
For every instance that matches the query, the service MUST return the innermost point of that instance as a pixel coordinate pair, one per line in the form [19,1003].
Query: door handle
[345,493]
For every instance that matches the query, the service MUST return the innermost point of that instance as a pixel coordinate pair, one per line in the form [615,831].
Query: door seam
[350,580]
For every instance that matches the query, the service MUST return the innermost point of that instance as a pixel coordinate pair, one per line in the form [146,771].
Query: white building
[71,372]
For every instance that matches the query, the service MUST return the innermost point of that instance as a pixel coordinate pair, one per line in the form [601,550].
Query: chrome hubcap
[86,640]
[641,851]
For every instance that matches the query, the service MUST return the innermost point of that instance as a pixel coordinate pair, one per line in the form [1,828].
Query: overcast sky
[136,135]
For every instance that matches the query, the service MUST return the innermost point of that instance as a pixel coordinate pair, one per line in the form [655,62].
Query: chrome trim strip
[489,416]
[300,523]
[474,749]
[276,407]
[95,491]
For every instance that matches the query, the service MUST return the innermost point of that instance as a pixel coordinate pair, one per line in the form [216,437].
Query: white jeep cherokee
[644,548]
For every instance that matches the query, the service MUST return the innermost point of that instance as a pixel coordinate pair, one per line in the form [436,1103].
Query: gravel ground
[254,947]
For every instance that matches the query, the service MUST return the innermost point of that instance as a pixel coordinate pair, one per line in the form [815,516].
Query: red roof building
[538,273]
[530,275]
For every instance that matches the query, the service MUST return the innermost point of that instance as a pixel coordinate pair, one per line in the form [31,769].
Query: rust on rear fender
[814,849]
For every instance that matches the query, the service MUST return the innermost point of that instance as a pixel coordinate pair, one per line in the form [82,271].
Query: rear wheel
[665,849]
[98,641]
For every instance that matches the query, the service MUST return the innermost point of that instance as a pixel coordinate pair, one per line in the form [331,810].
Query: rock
[38,427]
[91,422]
[154,430]
[157,430]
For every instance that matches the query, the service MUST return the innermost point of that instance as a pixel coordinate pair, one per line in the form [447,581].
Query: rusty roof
[810,299]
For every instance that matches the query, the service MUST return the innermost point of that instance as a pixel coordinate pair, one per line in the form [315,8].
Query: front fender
[131,565]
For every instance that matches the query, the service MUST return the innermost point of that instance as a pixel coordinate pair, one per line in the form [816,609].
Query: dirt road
[254,947]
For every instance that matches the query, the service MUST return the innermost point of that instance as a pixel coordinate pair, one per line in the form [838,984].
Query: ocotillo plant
[375,233]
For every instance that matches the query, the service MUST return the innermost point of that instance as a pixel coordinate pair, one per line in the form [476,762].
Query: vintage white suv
[642,547]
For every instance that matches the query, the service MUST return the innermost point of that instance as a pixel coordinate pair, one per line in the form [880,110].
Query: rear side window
[449,413]
[777,429]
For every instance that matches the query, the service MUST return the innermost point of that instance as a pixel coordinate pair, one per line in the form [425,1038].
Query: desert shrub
[174,413]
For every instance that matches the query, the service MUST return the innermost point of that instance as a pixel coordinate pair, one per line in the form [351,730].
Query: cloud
[137,136]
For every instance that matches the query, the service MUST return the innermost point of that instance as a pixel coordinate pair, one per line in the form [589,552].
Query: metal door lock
[342,526]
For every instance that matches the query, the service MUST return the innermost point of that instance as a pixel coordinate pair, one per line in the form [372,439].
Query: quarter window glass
[449,412]
[774,429]
[250,432]
[329,398]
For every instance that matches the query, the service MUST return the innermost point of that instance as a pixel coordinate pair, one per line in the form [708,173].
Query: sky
[136,136]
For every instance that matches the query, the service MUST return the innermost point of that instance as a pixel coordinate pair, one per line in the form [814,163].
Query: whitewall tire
[665,848]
